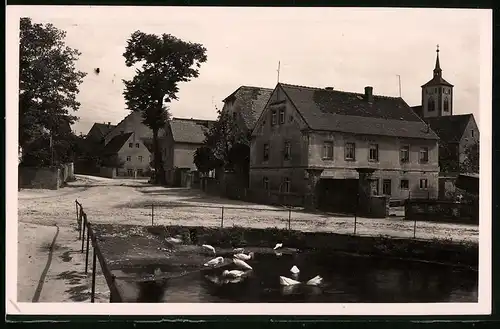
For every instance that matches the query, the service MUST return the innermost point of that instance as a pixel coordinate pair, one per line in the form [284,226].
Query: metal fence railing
[83,226]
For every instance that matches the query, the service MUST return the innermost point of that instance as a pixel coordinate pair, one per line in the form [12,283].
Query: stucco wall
[45,178]
[471,136]
[134,153]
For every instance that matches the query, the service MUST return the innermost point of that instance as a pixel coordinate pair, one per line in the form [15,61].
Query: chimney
[369,93]
[328,88]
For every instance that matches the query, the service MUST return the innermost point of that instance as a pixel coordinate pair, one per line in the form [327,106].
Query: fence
[84,225]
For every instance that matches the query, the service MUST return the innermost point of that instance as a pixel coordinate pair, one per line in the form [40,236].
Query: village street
[48,218]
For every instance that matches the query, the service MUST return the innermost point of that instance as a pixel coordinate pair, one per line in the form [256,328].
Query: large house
[245,105]
[129,149]
[133,123]
[456,132]
[178,144]
[332,146]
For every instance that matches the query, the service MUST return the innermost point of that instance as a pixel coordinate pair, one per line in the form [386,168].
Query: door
[386,187]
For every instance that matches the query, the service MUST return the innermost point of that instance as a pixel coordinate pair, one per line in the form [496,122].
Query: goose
[238,250]
[317,280]
[214,261]
[241,264]
[295,270]
[209,248]
[233,273]
[279,254]
[242,256]
[278,246]
[284,281]
[174,240]
[157,272]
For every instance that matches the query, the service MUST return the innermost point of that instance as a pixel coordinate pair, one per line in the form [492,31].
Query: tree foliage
[471,161]
[112,161]
[48,85]
[161,63]
[204,160]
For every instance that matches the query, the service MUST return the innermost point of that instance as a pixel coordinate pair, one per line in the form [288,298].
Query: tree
[48,85]
[471,161]
[204,160]
[161,63]
[112,161]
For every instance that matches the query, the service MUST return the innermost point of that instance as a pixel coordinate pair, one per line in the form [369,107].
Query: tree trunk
[158,161]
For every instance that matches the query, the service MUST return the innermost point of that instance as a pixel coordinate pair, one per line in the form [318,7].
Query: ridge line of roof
[339,91]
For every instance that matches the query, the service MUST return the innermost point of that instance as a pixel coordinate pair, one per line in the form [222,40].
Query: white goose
[233,273]
[295,270]
[242,256]
[316,281]
[241,264]
[278,246]
[173,240]
[284,281]
[214,261]
[209,248]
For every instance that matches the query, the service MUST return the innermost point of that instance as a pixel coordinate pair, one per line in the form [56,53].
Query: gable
[248,102]
[450,129]
[189,131]
[132,123]
[116,144]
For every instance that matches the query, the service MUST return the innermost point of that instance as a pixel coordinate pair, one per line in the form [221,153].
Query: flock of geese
[239,260]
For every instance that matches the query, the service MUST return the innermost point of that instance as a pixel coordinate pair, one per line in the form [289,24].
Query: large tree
[471,161]
[161,63]
[48,85]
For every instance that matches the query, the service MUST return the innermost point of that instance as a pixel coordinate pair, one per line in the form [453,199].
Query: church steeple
[437,69]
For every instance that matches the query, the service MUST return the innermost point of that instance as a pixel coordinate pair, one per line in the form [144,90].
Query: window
[273,118]
[287,151]
[130,145]
[373,152]
[374,186]
[130,172]
[424,155]
[139,172]
[472,132]
[404,154]
[286,185]
[446,105]
[282,116]
[265,183]
[140,158]
[328,150]
[350,151]
[137,145]
[266,152]
[129,158]
[404,184]
[386,187]
[423,183]
[430,105]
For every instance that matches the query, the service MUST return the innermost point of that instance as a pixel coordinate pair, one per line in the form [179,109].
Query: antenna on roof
[279,64]
[399,78]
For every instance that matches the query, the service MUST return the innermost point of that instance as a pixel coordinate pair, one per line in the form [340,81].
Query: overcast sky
[347,49]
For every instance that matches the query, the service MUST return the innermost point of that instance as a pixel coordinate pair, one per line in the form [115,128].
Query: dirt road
[51,268]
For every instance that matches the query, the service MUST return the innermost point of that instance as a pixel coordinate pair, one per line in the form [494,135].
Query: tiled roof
[418,110]
[437,80]
[116,143]
[250,102]
[450,128]
[189,130]
[348,112]
[145,132]
[103,128]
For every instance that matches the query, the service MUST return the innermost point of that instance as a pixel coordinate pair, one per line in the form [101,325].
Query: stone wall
[107,172]
[46,178]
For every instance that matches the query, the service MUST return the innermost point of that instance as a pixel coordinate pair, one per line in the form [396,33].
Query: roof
[102,128]
[189,130]
[348,112]
[450,128]
[116,143]
[146,132]
[418,110]
[251,102]
[437,80]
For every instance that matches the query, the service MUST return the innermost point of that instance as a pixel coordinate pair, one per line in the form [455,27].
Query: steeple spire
[437,69]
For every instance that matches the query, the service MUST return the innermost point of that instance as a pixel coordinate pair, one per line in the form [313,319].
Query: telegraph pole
[399,78]
[279,71]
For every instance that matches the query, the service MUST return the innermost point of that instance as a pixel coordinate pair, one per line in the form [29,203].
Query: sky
[344,48]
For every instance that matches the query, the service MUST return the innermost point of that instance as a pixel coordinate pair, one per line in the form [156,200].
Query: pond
[346,279]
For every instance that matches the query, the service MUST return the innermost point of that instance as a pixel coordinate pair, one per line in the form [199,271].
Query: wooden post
[87,253]
[290,219]
[222,217]
[94,257]
[152,214]
[415,228]
[77,221]
[84,226]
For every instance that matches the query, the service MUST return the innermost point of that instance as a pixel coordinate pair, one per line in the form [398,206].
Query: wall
[437,93]
[45,178]
[135,153]
[132,122]
[276,168]
[442,211]
[107,172]
[468,138]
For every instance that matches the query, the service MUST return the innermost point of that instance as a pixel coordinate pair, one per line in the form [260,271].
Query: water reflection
[346,279]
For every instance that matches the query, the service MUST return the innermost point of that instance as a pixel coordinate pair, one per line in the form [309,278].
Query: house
[132,123]
[129,149]
[181,139]
[245,105]
[331,146]
[98,131]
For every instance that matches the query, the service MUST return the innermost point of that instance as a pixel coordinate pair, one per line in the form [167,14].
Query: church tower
[437,94]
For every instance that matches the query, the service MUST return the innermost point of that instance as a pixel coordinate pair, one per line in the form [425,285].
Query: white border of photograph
[483,306]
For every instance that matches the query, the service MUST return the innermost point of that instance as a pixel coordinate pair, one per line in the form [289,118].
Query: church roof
[437,79]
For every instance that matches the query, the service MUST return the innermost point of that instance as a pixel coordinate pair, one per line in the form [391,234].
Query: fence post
[80,223]
[289,218]
[94,258]
[222,217]
[415,228]
[84,226]
[77,222]
[87,254]
[152,214]
[355,221]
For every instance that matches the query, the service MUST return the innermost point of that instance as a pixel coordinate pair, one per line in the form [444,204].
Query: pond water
[346,278]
